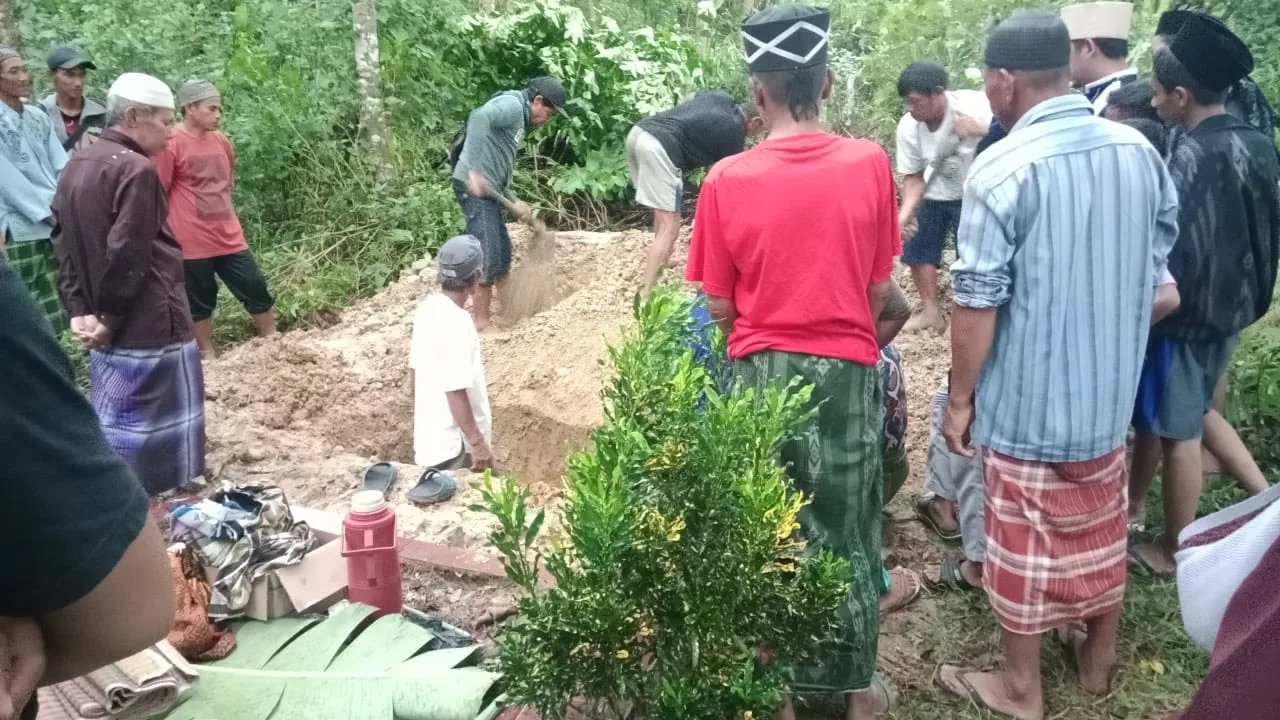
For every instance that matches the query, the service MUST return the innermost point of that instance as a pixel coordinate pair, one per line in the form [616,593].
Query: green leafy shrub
[681,560]
[1254,390]
[613,76]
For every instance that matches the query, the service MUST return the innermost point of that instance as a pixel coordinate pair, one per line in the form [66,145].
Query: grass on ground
[1158,670]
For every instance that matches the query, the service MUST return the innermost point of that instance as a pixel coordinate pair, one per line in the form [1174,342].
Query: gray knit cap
[7,52]
[194,91]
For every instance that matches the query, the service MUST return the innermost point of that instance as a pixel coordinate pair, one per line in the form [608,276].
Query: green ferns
[681,591]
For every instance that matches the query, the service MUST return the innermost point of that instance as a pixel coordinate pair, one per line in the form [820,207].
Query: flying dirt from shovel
[531,287]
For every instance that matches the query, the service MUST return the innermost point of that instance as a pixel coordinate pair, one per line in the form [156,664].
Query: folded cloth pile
[193,634]
[243,533]
[146,685]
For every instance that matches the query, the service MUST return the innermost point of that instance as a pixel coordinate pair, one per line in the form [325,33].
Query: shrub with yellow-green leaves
[681,590]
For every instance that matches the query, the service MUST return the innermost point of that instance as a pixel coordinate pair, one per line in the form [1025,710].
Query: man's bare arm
[460,409]
[1166,303]
[877,296]
[912,196]
[126,613]
[894,316]
[723,311]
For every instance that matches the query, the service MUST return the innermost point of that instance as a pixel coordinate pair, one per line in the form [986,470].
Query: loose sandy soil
[309,410]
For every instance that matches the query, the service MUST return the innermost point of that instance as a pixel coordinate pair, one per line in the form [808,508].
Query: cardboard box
[312,585]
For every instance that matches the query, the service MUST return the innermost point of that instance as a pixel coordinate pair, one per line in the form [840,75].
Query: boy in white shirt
[937,139]
[451,414]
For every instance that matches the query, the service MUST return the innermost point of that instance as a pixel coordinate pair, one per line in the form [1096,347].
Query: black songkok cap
[786,37]
[1030,40]
[1171,22]
[1211,53]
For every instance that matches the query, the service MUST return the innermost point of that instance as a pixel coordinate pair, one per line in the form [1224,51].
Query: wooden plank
[464,562]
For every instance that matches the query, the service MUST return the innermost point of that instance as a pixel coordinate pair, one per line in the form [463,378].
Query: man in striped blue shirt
[1064,234]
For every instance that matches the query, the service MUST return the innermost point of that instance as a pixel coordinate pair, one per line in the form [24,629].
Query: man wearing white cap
[1099,48]
[121,279]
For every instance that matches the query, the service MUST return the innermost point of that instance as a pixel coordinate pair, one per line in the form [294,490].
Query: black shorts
[936,220]
[242,276]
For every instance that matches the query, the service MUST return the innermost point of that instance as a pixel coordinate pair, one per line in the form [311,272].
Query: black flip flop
[950,577]
[432,488]
[922,512]
[379,476]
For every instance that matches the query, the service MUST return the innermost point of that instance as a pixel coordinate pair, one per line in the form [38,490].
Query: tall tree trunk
[9,26]
[375,132]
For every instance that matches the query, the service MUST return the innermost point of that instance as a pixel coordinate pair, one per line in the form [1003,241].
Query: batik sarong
[896,467]
[835,461]
[1056,539]
[151,406]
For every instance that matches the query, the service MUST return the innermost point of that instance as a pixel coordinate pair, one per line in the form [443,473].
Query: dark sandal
[922,512]
[433,487]
[1140,563]
[951,577]
[379,476]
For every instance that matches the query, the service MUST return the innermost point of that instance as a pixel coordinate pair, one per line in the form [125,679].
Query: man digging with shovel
[485,163]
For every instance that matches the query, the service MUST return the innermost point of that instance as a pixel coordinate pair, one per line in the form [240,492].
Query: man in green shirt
[484,168]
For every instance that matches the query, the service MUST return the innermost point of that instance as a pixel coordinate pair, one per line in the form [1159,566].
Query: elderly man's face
[150,128]
[15,81]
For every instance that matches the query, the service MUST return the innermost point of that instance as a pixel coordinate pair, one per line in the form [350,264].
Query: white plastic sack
[1210,573]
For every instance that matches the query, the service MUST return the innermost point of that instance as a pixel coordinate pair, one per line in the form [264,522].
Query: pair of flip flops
[432,487]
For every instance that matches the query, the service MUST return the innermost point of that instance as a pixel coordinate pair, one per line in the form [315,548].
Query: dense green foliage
[681,561]
[327,233]
[1254,398]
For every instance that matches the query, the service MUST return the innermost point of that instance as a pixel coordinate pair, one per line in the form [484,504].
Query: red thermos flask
[373,558]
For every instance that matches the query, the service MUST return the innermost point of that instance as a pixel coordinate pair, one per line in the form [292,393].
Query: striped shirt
[1066,229]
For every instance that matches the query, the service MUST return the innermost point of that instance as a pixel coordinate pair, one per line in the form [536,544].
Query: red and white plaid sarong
[1056,539]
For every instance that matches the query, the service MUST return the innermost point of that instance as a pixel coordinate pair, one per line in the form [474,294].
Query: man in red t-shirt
[793,243]
[198,171]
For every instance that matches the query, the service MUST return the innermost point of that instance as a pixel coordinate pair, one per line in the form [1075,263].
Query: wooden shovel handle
[505,202]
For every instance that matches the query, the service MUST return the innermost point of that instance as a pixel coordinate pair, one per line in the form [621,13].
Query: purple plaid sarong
[151,406]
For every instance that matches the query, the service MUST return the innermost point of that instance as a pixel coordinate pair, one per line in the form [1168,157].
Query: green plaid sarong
[836,462]
[35,262]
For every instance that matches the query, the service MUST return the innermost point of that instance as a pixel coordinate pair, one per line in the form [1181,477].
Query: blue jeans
[485,221]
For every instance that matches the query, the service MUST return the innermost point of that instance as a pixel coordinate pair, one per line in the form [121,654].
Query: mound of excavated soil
[310,409]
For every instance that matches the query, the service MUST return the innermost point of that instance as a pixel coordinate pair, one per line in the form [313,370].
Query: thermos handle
[395,543]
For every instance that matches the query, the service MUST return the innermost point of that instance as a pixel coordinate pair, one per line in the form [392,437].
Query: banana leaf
[343,667]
